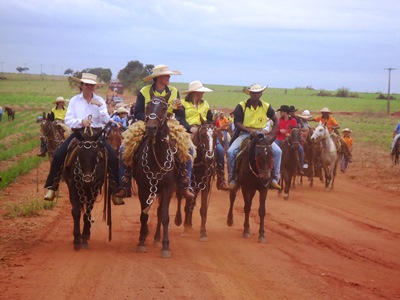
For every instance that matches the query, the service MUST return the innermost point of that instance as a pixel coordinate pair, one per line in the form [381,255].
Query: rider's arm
[138,111]
[180,116]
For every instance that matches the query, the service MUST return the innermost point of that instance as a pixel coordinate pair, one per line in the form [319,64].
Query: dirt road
[342,244]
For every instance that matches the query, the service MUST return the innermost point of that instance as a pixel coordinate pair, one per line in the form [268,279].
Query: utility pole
[41,69]
[388,97]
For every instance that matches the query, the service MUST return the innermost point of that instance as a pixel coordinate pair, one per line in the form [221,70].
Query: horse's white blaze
[211,141]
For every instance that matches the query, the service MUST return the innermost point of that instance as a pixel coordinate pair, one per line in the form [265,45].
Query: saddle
[243,148]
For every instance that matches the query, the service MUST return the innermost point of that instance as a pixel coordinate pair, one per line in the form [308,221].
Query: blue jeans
[234,149]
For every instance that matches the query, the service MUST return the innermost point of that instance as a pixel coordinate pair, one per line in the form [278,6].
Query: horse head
[205,140]
[320,132]
[262,156]
[156,115]
[294,137]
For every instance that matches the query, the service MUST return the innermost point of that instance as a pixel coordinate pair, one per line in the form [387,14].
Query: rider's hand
[176,104]
[86,122]
[253,134]
[193,129]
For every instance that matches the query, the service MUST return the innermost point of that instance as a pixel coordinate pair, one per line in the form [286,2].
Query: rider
[81,106]
[160,87]
[349,142]
[251,116]
[120,118]
[222,123]
[396,135]
[333,127]
[194,110]
[58,114]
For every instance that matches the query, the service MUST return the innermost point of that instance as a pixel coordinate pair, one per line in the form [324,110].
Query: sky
[323,44]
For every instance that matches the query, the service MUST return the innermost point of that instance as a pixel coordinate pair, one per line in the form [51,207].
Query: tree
[132,75]
[68,72]
[103,74]
[22,69]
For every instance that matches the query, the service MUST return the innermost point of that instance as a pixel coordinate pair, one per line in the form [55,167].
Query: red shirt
[286,125]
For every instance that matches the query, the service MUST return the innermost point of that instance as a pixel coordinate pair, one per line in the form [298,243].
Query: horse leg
[288,182]
[157,235]
[203,213]
[248,198]
[87,223]
[189,207]
[178,216]
[261,214]
[165,201]
[232,197]
[76,216]
[327,178]
[144,230]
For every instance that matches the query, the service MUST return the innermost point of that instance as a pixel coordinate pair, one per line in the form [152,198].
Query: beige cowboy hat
[160,70]
[88,78]
[256,87]
[122,110]
[119,104]
[305,114]
[196,86]
[325,110]
[346,130]
[60,99]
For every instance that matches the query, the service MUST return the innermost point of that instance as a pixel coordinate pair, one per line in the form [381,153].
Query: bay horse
[290,160]
[10,113]
[329,156]
[204,166]
[85,172]
[53,133]
[254,164]
[155,172]
[115,138]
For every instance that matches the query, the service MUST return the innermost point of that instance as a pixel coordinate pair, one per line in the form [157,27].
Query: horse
[396,153]
[155,172]
[85,172]
[290,160]
[53,133]
[328,154]
[10,113]
[254,164]
[204,166]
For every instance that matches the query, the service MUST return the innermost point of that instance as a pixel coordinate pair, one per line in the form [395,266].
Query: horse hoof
[204,238]
[262,240]
[178,221]
[166,253]
[85,245]
[229,222]
[141,249]
[286,196]
[157,244]
[246,235]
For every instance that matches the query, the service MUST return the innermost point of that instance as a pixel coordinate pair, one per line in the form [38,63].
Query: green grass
[31,208]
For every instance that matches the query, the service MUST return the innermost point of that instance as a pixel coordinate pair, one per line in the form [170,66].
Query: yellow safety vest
[59,114]
[255,118]
[192,113]
[146,93]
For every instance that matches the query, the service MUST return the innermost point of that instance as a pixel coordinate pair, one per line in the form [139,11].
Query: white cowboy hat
[346,129]
[160,70]
[88,78]
[256,87]
[325,110]
[305,114]
[60,99]
[197,86]
[122,110]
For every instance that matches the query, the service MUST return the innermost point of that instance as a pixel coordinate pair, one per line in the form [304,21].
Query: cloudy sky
[325,44]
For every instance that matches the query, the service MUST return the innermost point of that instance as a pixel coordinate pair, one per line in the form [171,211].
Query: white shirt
[79,109]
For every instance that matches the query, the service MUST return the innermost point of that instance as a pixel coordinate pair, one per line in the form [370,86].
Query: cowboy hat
[256,87]
[119,104]
[325,110]
[305,114]
[196,86]
[285,108]
[160,70]
[122,110]
[346,130]
[60,99]
[88,78]
[292,108]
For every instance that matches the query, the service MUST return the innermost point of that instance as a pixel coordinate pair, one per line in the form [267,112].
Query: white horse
[329,156]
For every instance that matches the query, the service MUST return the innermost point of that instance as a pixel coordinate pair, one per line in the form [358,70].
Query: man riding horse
[250,117]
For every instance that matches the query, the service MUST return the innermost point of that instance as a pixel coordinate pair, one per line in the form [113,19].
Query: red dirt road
[342,244]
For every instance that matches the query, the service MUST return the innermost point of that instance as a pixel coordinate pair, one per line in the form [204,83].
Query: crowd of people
[250,116]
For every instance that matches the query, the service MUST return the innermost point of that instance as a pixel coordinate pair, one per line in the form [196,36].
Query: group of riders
[250,117]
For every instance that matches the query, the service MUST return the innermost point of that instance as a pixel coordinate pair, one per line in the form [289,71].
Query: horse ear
[202,120]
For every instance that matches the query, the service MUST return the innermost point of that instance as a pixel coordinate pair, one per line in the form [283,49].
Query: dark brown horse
[10,113]
[85,173]
[53,133]
[155,173]
[396,153]
[204,167]
[290,160]
[253,165]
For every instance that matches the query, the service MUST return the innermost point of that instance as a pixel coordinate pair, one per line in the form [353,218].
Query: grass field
[31,95]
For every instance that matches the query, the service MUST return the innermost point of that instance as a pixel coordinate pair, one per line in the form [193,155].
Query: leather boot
[50,194]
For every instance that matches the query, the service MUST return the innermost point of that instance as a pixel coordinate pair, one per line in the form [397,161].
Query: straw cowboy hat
[119,104]
[285,108]
[346,130]
[88,78]
[60,99]
[305,114]
[196,86]
[256,87]
[160,70]
[122,110]
[325,110]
